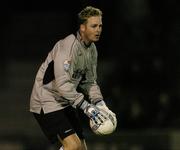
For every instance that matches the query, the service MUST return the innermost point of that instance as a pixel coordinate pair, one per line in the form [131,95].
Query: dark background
[138,66]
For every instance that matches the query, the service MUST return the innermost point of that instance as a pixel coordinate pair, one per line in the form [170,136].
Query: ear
[82,27]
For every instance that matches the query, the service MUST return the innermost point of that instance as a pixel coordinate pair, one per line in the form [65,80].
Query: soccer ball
[105,128]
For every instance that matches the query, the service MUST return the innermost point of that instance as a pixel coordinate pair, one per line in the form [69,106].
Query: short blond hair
[88,12]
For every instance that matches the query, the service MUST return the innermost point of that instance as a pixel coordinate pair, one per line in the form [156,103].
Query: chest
[83,59]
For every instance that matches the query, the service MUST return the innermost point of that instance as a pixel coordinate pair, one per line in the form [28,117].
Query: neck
[85,40]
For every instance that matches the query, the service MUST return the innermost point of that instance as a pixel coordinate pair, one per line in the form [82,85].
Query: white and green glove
[93,112]
[102,106]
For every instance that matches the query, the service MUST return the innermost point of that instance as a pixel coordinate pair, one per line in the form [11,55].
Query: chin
[96,40]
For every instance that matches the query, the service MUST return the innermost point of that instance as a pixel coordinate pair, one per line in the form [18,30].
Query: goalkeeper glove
[102,105]
[93,112]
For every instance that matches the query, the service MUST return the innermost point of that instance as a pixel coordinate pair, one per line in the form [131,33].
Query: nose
[99,29]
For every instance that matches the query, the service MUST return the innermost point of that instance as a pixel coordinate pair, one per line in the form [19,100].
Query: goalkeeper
[70,64]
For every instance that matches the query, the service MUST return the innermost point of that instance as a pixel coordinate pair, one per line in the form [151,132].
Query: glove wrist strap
[84,105]
[97,101]
[100,103]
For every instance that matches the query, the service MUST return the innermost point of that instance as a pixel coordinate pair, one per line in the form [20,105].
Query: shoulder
[66,43]
[67,40]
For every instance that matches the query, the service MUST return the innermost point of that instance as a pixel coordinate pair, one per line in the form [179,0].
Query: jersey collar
[81,41]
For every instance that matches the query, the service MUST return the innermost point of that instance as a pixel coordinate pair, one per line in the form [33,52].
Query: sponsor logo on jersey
[77,74]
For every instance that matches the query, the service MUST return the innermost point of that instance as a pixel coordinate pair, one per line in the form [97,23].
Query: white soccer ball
[105,128]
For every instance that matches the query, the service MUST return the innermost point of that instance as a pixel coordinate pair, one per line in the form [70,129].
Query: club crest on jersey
[66,65]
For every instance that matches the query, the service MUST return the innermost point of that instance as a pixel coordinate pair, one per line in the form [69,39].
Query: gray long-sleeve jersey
[70,64]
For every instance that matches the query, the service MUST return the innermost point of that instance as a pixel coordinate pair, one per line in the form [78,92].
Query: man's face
[92,29]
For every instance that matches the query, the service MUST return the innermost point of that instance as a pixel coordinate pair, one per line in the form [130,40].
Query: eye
[94,26]
[100,26]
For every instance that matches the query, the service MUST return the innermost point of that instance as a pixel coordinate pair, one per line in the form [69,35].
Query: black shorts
[63,123]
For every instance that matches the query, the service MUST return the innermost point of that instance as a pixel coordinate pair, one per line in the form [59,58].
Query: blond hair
[88,12]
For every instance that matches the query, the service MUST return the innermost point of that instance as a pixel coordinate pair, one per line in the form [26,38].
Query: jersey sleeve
[63,71]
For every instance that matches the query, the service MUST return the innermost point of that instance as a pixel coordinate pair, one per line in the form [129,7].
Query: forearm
[93,91]
[69,93]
